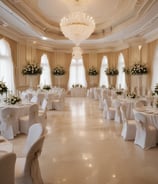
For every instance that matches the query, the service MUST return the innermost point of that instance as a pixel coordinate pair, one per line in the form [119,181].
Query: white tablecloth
[20,110]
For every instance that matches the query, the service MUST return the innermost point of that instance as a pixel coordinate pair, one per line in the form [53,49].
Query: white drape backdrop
[77,73]
[45,77]
[103,77]
[121,82]
[6,65]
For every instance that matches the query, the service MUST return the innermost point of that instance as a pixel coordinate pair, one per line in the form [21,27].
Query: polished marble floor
[83,148]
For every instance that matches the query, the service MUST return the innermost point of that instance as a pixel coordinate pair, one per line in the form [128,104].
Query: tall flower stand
[139,85]
[58,80]
[92,80]
[32,80]
[111,81]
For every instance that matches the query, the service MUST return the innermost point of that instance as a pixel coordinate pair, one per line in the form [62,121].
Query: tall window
[103,77]
[77,73]
[121,81]
[155,67]
[45,77]
[6,65]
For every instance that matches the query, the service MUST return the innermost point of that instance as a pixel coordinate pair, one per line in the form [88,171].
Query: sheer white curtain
[155,67]
[121,82]
[6,65]
[77,73]
[45,77]
[103,77]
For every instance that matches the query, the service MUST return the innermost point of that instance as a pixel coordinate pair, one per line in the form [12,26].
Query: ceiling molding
[26,22]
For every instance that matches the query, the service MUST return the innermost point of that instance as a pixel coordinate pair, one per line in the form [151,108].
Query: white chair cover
[40,97]
[42,113]
[7,168]
[9,123]
[27,170]
[27,121]
[35,132]
[34,99]
[146,133]
[116,105]
[129,126]
[109,111]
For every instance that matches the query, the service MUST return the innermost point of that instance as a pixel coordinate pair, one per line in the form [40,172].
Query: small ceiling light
[44,38]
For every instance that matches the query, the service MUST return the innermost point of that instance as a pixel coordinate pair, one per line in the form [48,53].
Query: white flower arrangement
[131,95]
[3,87]
[127,70]
[12,99]
[46,87]
[58,70]
[77,86]
[138,69]
[156,89]
[111,71]
[32,69]
[92,71]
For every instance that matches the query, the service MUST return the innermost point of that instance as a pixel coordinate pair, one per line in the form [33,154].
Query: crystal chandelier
[77,53]
[77,27]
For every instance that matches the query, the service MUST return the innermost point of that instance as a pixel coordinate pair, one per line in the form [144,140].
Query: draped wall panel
[23,52]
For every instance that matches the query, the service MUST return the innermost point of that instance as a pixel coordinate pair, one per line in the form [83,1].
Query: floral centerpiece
[131,95]
[127,70]
[46,87]
[12,99]
[77,86]
[32,69]
[58,70]
[119,92]
[3,88]
[156,89]
[92,71]
[111,71]
[138,69]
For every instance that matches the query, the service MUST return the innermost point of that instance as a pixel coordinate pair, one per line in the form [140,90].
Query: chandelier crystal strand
[77,53]
[77,27]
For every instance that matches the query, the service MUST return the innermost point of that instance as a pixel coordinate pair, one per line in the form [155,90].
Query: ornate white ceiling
[119,23]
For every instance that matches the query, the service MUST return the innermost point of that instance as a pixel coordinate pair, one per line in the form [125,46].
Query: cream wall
[23,53]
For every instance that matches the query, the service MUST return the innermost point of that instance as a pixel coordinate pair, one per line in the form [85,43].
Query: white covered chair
[27,170]
[146,133]
[117,117]
[9,123]
[26,121]
[42,113]
[40,97]
[7,168]
[129,126]
[109,111]
[34,99]
[35,132]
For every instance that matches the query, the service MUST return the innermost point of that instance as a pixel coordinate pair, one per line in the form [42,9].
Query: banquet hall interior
[78,91]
